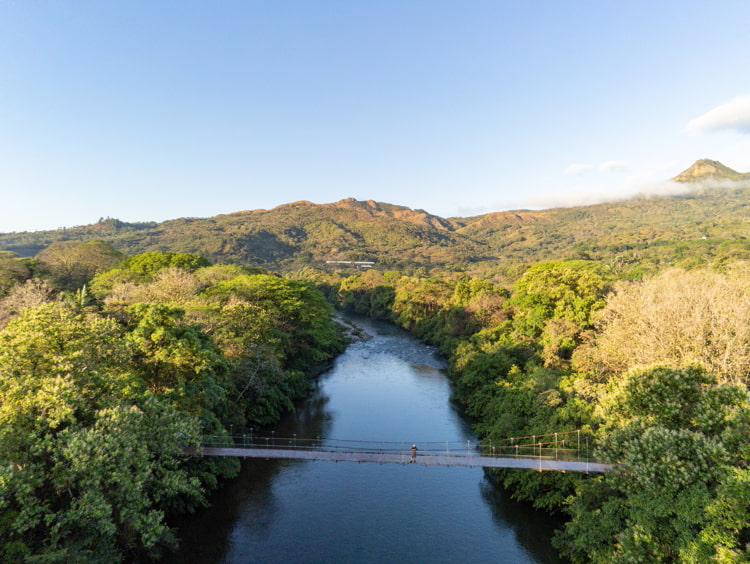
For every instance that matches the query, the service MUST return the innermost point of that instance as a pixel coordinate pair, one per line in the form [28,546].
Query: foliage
[178,361]
[32,293]
[101,397]
[557,290]
[682,493]
[299,314]
[678,318]
[148,264]
[72,263]
[13,270]
[87,461]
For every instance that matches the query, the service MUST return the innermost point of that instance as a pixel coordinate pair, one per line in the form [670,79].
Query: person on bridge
[413,453]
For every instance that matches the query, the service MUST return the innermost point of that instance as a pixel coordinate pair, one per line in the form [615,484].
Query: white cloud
[614,166]
[577,169]
[585,196]
[734,115]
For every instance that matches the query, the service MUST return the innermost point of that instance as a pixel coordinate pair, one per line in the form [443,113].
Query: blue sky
[150,110]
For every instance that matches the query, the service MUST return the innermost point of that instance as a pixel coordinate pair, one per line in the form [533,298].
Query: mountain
[705,169]
[285,237]
[640,235]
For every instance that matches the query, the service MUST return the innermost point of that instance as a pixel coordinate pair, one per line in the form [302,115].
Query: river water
[390,388]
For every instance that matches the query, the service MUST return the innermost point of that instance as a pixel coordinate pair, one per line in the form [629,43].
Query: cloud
[636,187]
[734,115]
[577,169]
[589,196]
[614,166]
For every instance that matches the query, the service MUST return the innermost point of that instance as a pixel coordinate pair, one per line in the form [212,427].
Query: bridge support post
[540,456]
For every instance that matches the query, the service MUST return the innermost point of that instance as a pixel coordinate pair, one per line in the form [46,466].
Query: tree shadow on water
[532,528]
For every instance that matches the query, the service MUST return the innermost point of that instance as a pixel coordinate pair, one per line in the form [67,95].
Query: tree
[87,461]
[13,270]
[557,290]
[73,264]
[148,264]
[298,311]
[178,361]
[32,293]
[682,492]
[676,318]
[554,302]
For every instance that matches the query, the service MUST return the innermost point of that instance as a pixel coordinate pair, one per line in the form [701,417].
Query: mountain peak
[706,168]
[403,213]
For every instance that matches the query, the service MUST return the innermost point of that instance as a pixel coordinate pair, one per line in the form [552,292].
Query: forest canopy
[102,394]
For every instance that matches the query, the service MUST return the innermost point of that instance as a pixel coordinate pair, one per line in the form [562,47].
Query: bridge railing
[569,445]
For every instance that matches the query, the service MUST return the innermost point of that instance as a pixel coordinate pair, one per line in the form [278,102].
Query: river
[390,388]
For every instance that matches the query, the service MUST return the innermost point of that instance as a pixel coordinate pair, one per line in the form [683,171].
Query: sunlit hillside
[709,222]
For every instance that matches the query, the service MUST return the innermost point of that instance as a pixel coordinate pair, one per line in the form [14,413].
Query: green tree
[557,290]
[681,493]
[87,461]
[178,361]
[298,311]
[13,270]
[148,264]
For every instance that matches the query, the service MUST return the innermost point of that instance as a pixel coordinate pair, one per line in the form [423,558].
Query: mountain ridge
[299,234]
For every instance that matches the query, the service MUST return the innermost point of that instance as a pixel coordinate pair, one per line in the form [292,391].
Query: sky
[149,110]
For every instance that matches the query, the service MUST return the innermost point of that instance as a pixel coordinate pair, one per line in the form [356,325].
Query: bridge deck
[534,463]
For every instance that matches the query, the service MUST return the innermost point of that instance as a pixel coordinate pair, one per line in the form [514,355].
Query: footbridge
[566,451]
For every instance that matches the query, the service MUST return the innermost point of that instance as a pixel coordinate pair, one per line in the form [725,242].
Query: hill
[285,237]
[706,169]
[700,226]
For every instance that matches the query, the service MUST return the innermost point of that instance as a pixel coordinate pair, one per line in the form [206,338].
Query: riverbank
[390,387]
[355,333]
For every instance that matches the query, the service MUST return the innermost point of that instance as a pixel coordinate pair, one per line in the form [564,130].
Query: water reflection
[390,388]
[532,528]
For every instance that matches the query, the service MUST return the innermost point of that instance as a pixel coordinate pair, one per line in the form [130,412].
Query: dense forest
[628,320]
[105,385]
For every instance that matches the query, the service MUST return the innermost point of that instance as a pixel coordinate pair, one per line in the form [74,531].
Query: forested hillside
[708,223]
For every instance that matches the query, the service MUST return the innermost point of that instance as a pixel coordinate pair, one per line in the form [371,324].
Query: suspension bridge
[567,451]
